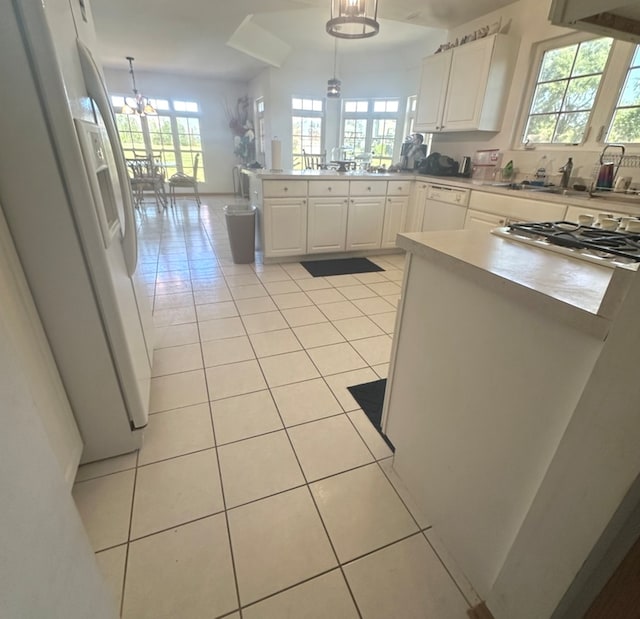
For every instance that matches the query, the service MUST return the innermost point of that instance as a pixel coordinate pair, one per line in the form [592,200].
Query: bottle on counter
[566,173]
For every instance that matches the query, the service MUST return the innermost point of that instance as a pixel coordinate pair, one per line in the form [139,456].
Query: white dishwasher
[445,208]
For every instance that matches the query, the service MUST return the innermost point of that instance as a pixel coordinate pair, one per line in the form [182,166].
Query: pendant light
[138,104]
[353,19]
[334,84]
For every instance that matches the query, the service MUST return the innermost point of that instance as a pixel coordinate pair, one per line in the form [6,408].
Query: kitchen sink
[627,198]
[535,188]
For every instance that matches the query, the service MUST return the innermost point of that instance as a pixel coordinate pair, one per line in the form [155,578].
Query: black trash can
[241,227]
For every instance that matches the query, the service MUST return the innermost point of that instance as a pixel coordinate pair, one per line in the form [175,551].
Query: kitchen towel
[276,155]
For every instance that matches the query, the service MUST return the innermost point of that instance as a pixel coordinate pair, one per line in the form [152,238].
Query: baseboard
[480,611]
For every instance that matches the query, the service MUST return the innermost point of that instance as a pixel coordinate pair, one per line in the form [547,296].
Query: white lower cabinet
[285,226]
[477,220]
[327,231]
[364,223]
[395,216]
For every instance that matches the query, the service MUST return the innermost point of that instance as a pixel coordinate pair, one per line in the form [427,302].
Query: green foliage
[567,86]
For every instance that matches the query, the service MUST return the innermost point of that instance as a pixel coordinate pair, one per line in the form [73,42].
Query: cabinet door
[416,207]
[395,216]
[327,229]
[364,223]
[433,90]
[285,226]
[477,220]
[467,85]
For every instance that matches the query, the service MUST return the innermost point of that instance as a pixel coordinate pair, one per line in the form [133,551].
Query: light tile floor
[262,490]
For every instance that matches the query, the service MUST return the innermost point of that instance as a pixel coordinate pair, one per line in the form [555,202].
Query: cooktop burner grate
[577,236]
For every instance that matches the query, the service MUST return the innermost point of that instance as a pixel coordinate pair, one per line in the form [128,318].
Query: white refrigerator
[65,193]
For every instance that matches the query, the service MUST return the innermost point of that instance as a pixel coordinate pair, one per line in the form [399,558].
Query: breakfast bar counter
[511,401]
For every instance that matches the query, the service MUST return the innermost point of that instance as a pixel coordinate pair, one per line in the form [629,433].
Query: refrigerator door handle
[97,90]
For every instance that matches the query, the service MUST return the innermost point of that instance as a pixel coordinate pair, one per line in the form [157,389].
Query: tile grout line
[220,479]
[269,388]
[126,557]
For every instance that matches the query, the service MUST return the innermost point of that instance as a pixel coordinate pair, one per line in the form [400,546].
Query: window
[306,130]
[625,124]
[410,122]
[565,92]
[260,125]
[172,136]
[371,126]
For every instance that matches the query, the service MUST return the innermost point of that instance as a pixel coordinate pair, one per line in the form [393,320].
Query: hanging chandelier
[138,104]
[334,84]
[353,19]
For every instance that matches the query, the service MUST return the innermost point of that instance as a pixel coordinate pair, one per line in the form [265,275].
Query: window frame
[603,109]
[370,116]
[410,122]
[177,152]
[297,159]
[538,51]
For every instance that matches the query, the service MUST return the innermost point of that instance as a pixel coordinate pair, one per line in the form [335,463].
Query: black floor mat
[370,397]
[340,266]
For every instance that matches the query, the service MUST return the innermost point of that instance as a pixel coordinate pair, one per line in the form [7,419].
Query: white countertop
[586,295]
[628,205]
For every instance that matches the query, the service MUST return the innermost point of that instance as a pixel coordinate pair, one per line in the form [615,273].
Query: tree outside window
[625,124]
[565,92]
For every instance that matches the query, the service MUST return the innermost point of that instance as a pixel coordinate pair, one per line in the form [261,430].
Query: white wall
[217,139]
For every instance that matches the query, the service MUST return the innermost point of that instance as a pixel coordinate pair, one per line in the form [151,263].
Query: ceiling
[190,36]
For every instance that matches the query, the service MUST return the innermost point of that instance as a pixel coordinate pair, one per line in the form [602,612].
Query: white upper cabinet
[466,88]
[433,91]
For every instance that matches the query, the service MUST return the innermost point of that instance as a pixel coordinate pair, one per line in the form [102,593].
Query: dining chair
[179,179]
[147,175]
[314,162]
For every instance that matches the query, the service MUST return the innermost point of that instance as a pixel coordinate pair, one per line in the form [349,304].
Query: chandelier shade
[138,104]
[353,19]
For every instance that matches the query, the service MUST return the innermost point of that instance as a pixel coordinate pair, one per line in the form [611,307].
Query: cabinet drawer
[524,209]
[285,189]
[399,188]
[328,188]
[368,188]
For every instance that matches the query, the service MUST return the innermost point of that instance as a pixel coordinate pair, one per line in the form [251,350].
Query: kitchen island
[513,405]
[327,214]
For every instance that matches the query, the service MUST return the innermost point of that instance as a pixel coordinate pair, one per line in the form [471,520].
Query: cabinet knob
[304,202]
[368,188]
[346,201]
[286,189]
[352,200]
[328,188]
